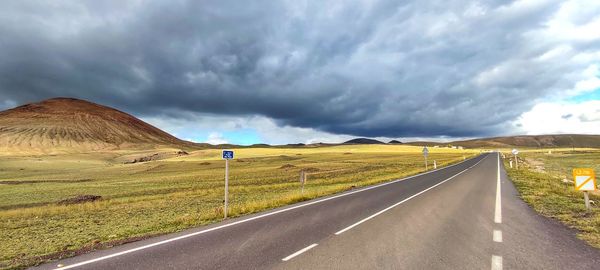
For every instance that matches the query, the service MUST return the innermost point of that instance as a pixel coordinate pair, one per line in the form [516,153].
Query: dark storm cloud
[416,68]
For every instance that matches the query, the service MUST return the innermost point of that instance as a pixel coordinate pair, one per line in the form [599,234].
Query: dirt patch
[536,165]
[204,163]
[285,157]
[287,166]
[347,153]
[20,182]
[310,169]
[157,156]
[80,199]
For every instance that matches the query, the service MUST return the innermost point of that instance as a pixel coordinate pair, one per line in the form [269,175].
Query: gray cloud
[383,68]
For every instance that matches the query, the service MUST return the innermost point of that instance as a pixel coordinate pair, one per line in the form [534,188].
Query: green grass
[541,183]
[174,194]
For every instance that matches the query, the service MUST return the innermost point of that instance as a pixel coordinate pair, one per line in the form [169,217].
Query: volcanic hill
[77,125]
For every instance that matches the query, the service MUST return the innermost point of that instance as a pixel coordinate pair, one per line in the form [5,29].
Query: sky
[297,71]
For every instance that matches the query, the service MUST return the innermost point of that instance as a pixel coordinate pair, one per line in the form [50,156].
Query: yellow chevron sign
[585,179]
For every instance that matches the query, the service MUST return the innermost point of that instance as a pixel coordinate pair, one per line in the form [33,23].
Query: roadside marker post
[434,165]
[302,180]
[227,155]
[515,152]
[425,154]
[510,163]
[585,180]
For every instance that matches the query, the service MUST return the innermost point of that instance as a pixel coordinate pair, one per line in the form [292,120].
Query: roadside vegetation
[43,214]
[545,182]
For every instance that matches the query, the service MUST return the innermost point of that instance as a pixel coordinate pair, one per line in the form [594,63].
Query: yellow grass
[173,194]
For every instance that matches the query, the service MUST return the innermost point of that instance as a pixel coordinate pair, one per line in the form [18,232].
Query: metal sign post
[516,152]
[585,180]
[227,155]
[425,154]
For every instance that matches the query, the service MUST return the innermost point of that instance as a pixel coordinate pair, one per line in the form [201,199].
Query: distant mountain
[562,140]
[363,141]
[395,142]
[76,125]
[530,141]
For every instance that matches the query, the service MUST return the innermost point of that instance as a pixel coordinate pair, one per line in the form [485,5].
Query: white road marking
[497,236]
[246,220]
[298,252]
[496,262]
[403,201]
[498,212]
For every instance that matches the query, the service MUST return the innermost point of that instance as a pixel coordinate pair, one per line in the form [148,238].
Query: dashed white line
[498,212]
[405,200]
[497,236]
[496,262]
[298,252]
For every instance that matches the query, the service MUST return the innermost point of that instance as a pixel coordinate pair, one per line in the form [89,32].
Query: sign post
[425,154]
[515,152]
[302,180]
[585,180]
[227,155]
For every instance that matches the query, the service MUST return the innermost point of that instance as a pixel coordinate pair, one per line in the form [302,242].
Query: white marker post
[434,165]
[425,154]
[302,180]
[227,155]
[516,152]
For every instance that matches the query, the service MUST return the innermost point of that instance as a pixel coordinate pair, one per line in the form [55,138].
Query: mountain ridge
[529,141]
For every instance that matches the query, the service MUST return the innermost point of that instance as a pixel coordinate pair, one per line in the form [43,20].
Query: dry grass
[545,182]
[173,194]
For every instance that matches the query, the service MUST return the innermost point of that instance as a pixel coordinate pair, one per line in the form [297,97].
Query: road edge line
[498,209]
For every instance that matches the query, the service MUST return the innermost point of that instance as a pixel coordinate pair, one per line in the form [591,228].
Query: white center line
[497,236]
[403,201]
[298,252]
[498,212]
[496,262]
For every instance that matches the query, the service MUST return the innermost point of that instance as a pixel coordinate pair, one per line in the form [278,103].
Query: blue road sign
[227,154]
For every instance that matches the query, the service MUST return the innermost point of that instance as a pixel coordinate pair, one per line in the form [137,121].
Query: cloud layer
[363,68]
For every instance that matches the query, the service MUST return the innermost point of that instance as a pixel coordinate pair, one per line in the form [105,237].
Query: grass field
[170,195]
[545,182]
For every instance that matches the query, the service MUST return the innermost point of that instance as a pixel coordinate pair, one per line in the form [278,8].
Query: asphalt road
[452,218]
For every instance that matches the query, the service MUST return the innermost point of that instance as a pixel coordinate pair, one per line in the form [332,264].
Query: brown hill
[535,141]
[363,141]
[73,124]
[529,141]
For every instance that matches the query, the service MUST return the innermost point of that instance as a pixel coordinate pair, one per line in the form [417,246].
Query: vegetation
[545,182]
[43,215]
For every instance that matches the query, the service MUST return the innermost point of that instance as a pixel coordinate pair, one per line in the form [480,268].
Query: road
[466,216]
